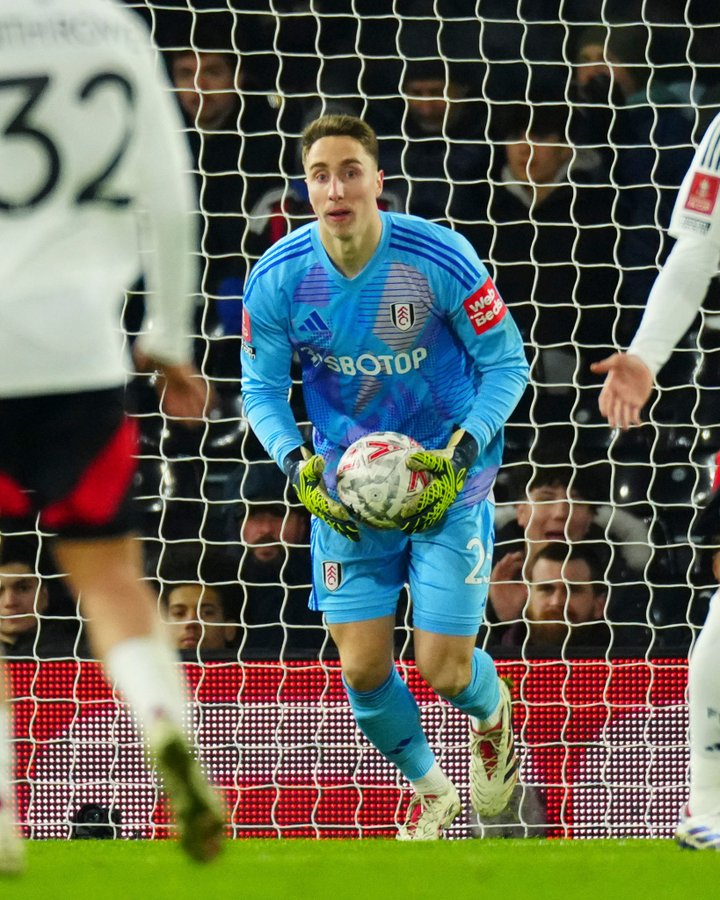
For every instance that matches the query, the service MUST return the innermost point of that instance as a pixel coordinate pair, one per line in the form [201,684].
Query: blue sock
[389,718]
[482,695]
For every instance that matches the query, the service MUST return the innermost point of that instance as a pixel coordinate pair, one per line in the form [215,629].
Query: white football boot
[494,763]
[428,815]
[699,832]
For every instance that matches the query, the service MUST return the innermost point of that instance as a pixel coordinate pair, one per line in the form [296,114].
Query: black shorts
[71,458]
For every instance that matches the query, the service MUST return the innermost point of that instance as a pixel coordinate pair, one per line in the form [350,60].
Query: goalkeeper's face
[23,598]
[344,184]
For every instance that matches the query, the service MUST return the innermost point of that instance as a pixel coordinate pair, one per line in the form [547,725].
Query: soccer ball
[373,481]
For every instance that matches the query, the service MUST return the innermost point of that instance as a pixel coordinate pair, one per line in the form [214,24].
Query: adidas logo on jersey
[314,323]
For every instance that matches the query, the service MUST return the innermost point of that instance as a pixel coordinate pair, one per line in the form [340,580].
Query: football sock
[434,782]
[144,670]
[389,718]
[704,701]
[481,698]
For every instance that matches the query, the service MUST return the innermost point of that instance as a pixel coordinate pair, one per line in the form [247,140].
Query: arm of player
[184,393]
[266,381]
[304,469]
[674,301]
[485,326]
[449,467]
[508,592]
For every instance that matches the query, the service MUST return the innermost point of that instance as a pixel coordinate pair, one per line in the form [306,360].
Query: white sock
[435,781]
[490,722]
[704,701]
[144,669]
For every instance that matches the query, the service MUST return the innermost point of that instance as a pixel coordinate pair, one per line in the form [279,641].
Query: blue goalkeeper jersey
[418,342]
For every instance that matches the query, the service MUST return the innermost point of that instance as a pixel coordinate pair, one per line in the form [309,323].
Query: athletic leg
[466,677]
[700,829]
[382,704]
[388,715]
[125,634]
[449,580]
[12,855]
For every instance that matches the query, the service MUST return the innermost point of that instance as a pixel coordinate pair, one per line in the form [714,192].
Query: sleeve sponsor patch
[246,345]
[246,326]
[703,193]
[691,224]
[485,308]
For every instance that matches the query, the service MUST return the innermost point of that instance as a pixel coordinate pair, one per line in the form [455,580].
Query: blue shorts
[447,570]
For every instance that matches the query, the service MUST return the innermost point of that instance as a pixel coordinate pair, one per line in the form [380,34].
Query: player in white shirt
[674,301]
[94,189]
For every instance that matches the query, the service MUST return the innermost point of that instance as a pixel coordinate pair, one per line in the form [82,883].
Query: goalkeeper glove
[450,467]
[304,469]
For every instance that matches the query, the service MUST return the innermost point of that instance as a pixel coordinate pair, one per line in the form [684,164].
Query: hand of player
[306,477]
[627,388]
[184,393]
[508,592]
[450,467]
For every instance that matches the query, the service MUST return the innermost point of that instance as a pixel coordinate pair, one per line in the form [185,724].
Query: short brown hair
[340,125]
[564,553]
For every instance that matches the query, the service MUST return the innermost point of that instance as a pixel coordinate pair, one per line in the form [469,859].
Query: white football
[373,481]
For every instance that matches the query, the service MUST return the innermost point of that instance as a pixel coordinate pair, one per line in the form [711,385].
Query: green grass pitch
[372,869]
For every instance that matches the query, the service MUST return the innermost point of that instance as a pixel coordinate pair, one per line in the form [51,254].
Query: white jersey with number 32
[94,189]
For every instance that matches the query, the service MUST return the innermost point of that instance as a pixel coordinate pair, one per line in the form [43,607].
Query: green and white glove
[304,469]
[450,467]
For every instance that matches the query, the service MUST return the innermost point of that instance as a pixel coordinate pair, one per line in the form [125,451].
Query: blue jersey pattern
[417,342]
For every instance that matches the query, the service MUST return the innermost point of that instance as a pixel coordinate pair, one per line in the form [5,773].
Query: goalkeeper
[673,303]
[398,327]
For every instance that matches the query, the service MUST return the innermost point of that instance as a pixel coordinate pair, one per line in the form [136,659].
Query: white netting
[600,718]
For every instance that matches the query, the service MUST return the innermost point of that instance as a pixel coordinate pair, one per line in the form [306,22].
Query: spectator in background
[236,147]
[565,603]
[199,598]
[235,142]
[559,504]
[441,146]
[29,626]
[275,569]
[552,247]
[238,151]
[645,137]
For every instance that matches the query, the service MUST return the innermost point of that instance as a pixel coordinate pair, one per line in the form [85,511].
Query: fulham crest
[403,315]
[332,575]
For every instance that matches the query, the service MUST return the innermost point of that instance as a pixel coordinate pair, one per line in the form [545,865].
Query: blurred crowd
[554,135]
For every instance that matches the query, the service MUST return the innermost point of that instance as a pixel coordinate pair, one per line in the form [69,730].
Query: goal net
[555,143]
